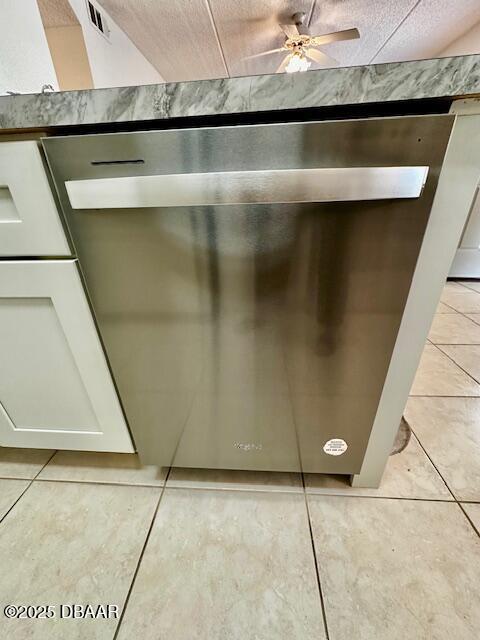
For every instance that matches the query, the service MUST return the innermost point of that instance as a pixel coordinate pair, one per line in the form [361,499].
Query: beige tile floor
[197,555]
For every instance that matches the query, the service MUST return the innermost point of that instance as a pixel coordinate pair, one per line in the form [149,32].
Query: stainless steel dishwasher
[248,282]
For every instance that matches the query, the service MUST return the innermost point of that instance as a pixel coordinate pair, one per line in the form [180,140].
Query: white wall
[467,259]
[116,61]
[466,44]
[25,62]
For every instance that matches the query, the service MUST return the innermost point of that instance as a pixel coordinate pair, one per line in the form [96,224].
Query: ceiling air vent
[97,19]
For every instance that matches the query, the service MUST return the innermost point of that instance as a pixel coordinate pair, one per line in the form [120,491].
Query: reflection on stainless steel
[248,187]
[246,336]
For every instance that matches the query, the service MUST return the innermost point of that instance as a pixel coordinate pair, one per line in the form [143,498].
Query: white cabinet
[55,386]
[56,390]
[466,263]
[29,221]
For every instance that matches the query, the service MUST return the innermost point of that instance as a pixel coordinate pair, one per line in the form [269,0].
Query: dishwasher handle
[248,187]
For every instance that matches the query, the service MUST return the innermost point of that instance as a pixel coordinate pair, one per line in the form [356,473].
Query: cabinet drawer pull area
[30,224]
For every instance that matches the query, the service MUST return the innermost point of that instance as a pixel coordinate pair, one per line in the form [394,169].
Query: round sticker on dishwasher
[335,447]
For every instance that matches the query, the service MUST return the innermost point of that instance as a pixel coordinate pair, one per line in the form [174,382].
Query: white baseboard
[466,264]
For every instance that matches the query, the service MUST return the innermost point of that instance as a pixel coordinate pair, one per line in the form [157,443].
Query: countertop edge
[456,77]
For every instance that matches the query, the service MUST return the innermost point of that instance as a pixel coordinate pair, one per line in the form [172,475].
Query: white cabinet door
[56,390]
[30,224]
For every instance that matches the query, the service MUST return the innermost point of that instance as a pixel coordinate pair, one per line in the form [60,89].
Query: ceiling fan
[301,48]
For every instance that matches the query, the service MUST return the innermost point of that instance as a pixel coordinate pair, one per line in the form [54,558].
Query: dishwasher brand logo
[335,447]
[248,446]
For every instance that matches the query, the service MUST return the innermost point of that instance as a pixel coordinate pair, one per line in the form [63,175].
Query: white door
[56,390]
[30,224]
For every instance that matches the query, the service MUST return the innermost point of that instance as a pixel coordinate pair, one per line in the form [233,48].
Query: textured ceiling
[375,19]
[246,27]
[196,39]
[176,36]
[429,29]
[56,13]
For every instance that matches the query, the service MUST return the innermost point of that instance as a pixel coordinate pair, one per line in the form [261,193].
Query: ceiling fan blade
[347,34]
[284,63]
[320,57]
[263,53]
[290,30]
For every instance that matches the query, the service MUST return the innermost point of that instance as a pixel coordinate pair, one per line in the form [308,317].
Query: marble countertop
[434,78]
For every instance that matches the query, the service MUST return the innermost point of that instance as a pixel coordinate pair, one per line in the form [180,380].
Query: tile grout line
[432,463]
[315,561]
[460,313]
[48,462]
[102,483]
[469,519]
[455,344]
[371,497]
[458,365]
[457,502]
[447,305]
[442,344]
[440,395]
[287,492]
[140,558]
[32,480]
[297,492]
[462,284]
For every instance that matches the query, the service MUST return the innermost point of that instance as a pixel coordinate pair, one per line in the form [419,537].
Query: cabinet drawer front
[56,389]
[30,224]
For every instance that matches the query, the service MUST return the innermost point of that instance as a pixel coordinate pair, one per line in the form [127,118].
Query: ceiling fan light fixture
[297,62]
[301,48]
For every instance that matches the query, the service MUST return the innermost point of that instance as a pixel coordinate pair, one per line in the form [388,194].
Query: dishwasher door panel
[246,336]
